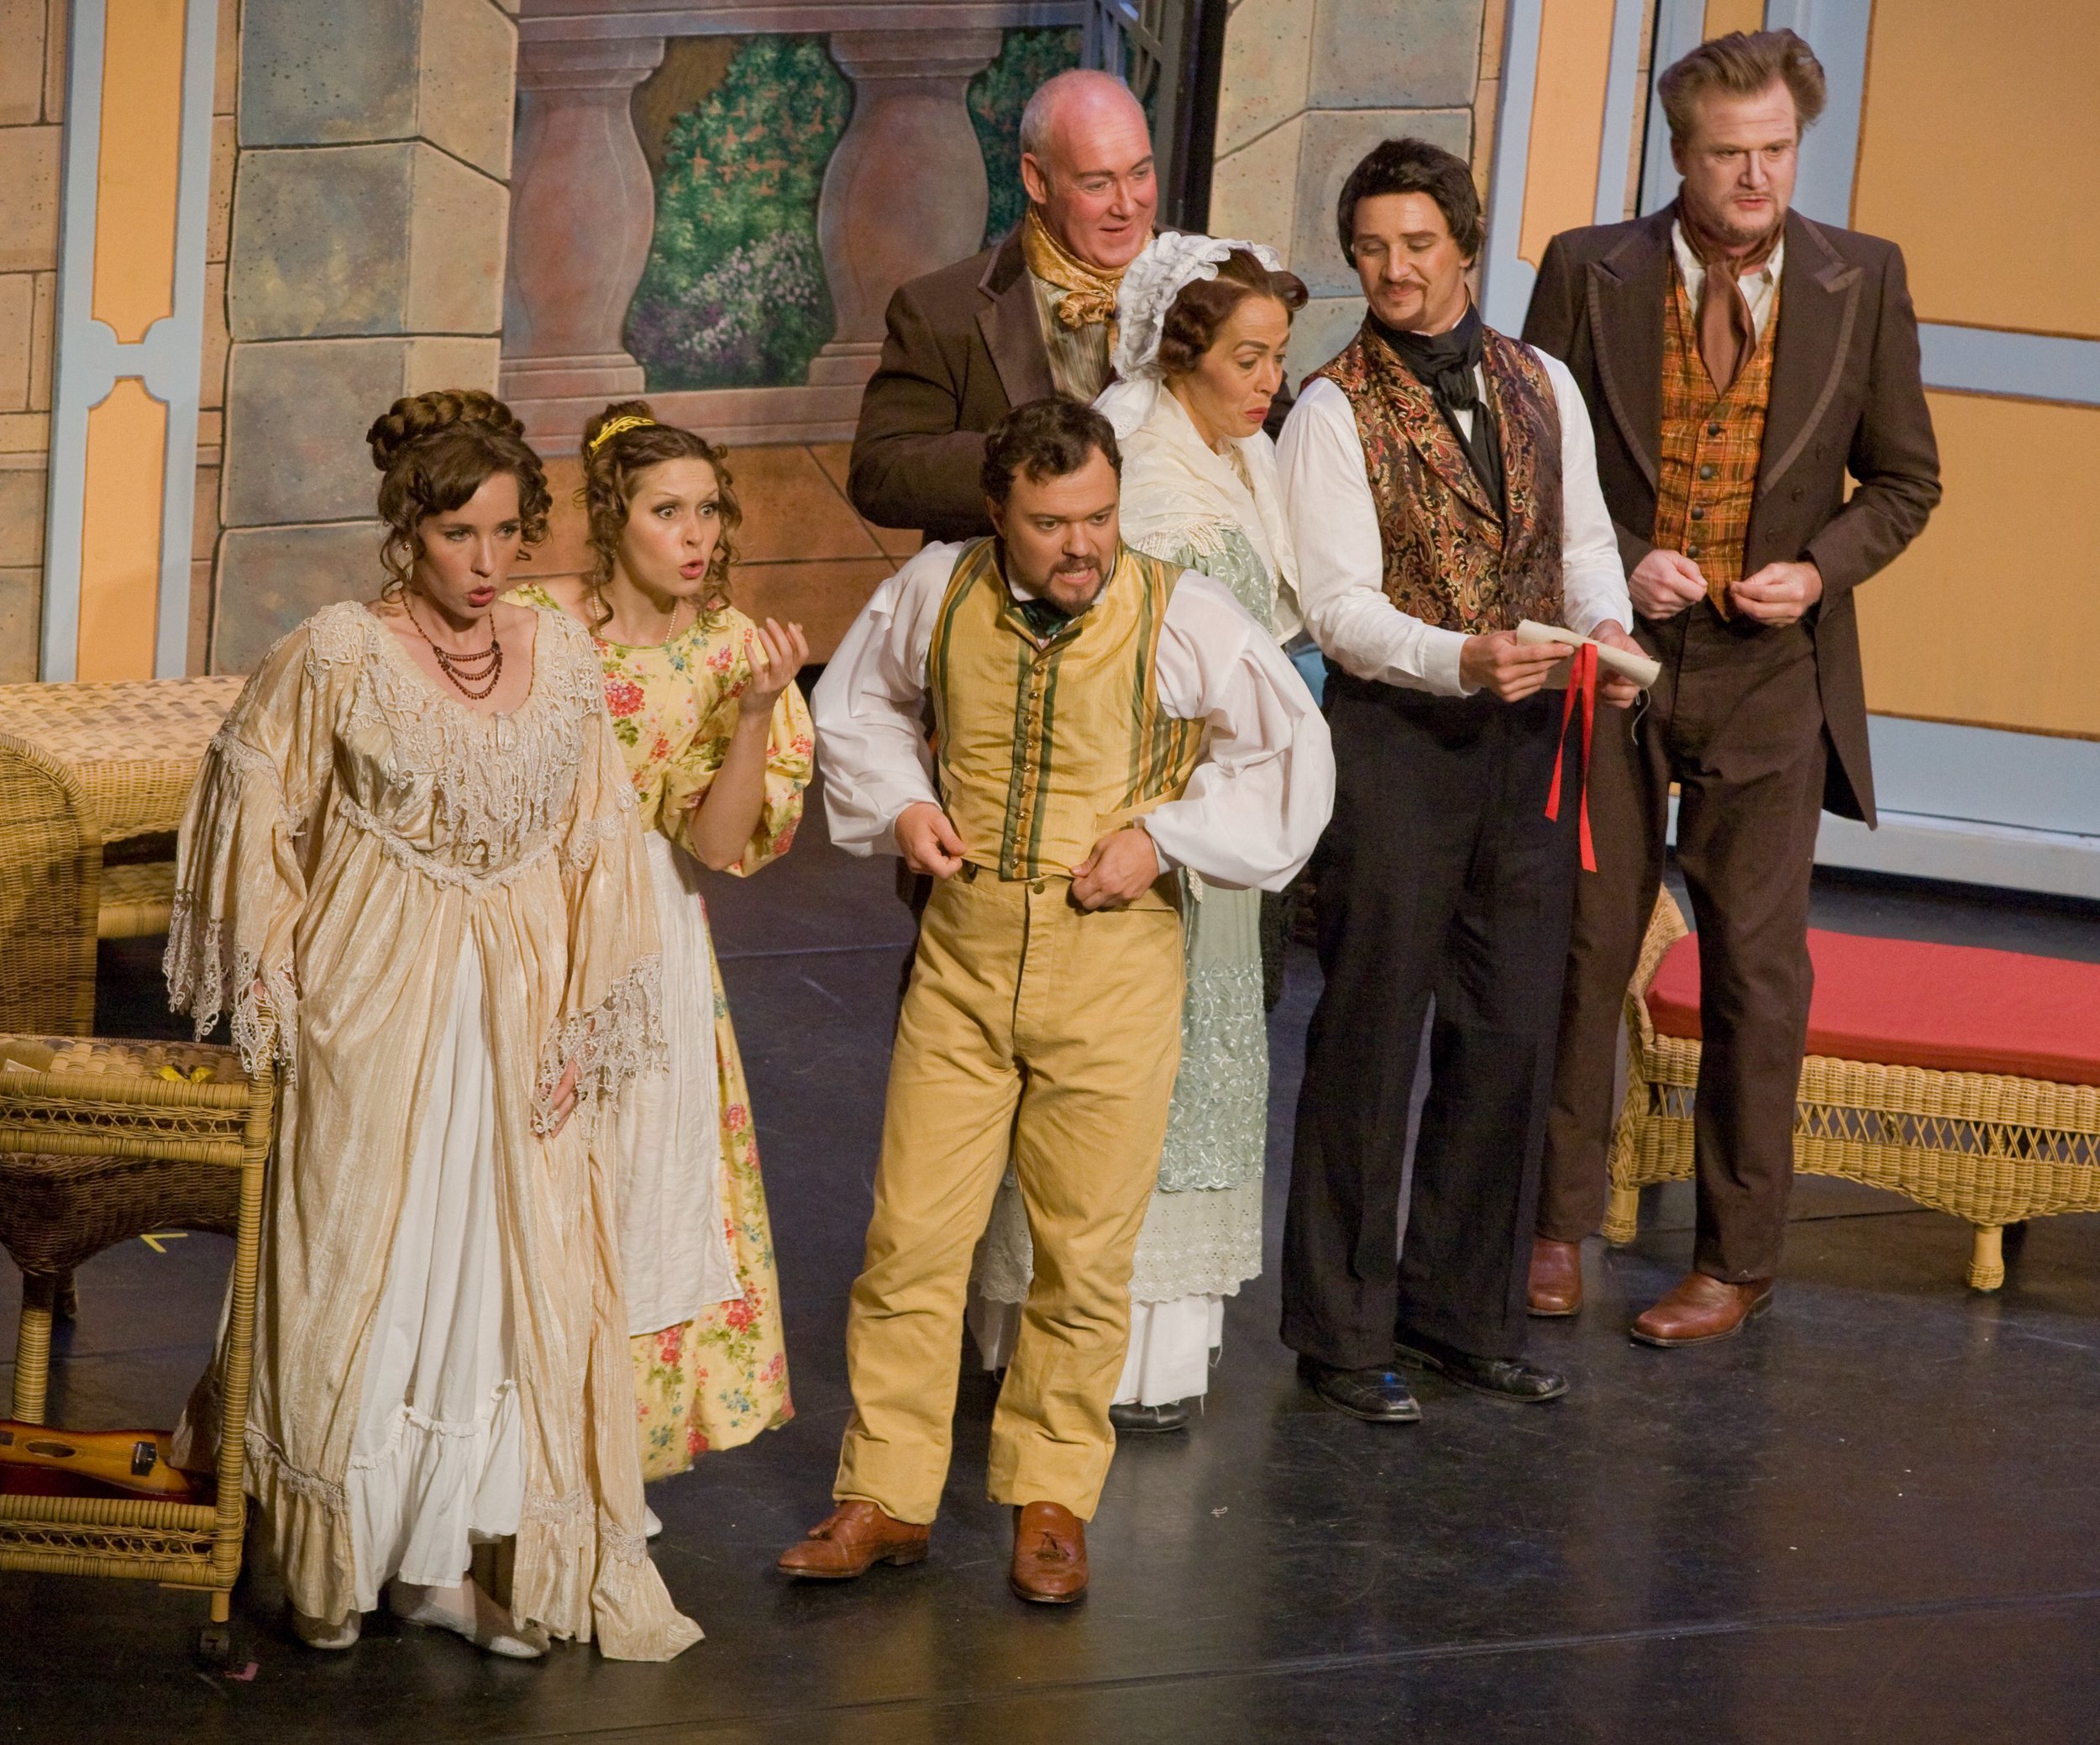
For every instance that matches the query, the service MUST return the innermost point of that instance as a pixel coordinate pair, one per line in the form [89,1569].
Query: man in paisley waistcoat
[1441,484]
[1739,362]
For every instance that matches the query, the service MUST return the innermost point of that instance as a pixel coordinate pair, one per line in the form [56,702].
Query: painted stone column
[583,212]
[365,261]
[905,192]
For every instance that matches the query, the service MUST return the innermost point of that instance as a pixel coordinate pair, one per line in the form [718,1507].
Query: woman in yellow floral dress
[718,743]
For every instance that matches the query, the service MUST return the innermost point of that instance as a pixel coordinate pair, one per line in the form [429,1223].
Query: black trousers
[1440,875]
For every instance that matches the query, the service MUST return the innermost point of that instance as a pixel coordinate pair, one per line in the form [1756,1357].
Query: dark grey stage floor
[1874,1518]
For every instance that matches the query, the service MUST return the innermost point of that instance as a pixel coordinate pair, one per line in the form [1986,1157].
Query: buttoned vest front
[1711,445]
[1044,744]
[1450,559]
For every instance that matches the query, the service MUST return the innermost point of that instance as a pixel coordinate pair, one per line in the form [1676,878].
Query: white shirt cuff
[1441,649]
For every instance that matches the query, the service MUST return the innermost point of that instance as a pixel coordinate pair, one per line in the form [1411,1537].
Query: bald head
[1086,161]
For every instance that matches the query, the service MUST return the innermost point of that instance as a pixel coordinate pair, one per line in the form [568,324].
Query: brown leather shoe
[1557,1278]
[1700,1310]
[851,1541]
[1049,1554]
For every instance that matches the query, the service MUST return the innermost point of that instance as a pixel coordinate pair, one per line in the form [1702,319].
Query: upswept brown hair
[1743,63]
[1204,306]
[434,451]
[612,468]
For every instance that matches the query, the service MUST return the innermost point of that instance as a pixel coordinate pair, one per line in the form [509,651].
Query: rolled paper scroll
[1643,671]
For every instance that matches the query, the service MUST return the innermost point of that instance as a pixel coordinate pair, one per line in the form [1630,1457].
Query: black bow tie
[1446,364]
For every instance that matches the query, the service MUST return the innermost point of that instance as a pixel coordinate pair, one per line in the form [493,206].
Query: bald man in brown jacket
[1028,318]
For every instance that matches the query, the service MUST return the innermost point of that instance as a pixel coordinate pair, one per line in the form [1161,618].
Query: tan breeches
[1033,1027]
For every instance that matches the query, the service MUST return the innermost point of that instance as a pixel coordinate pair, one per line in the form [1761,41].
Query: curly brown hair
[1204,306]
[612,468]
[435,451]
[1413,167]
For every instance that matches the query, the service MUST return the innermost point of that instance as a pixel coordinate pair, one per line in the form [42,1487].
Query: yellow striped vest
[1045,745]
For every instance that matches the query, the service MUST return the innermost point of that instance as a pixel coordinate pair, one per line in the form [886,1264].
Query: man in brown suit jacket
[1030,317]
[1738,361]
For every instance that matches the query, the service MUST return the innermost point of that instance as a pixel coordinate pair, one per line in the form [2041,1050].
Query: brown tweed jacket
[963,350]
[1845,397]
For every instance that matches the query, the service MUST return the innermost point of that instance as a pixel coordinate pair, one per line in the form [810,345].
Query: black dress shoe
[1377,1395]
[1507,1378]
[1131,1419]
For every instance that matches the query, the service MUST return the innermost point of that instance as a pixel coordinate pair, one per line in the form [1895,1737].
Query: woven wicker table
[1992,1149]
[94,1149]
[93,781]
[133,747]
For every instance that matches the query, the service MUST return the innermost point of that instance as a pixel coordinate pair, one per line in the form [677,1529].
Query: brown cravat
[1727,335]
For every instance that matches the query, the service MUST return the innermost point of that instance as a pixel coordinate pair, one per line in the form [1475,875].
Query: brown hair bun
[1204,306]
[435,451]
[613,467]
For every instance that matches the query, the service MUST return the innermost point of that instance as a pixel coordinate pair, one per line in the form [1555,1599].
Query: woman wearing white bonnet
[1202,325]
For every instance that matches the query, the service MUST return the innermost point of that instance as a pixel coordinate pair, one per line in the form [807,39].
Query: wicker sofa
[1993,1147]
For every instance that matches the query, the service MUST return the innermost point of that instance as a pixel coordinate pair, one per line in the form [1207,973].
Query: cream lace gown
[443,910]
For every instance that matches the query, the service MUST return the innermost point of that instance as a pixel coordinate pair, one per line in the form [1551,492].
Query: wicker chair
[50,895]
[1991,1148]
[95,1149]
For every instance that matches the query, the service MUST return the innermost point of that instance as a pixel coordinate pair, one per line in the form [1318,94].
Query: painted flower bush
[997,97]
[734,294]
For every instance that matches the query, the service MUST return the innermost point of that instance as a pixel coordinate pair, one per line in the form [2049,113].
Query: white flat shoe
[466,1612]
[319,1633]
[651,1527]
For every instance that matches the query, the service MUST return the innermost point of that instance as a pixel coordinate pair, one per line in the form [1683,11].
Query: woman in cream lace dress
[410,870]
[1203,323]
[717,740]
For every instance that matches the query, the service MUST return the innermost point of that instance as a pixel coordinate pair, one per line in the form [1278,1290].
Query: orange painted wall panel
[136,174]
[120,533]
[1723,15]
[1979,154]
[1567,122]
[1991,618]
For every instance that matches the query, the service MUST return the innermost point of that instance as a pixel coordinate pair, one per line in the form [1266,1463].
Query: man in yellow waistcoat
[1741,364]
[1102,723]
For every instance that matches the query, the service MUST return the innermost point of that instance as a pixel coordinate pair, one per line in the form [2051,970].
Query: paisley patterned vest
[1450,561]
[1045,744]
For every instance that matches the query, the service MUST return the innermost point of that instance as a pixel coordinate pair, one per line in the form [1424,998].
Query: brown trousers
[1736,721]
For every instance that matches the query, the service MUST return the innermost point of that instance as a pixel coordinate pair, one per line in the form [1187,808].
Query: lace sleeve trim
[207,975]
[621,1039]
[208,978]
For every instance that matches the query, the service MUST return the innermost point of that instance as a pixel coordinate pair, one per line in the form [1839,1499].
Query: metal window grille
[1169,53]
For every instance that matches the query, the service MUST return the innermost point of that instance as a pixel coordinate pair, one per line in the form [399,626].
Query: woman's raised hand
[777,654]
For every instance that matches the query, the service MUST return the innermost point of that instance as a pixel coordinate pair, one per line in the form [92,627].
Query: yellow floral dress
[716,1378]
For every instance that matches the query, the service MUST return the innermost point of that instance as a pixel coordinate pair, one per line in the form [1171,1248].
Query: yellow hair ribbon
[626,421]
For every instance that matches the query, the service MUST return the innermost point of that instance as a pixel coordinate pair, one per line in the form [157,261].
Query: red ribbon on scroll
[1582,685]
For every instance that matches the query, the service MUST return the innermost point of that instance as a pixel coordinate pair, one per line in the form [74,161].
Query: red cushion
[1905,1002]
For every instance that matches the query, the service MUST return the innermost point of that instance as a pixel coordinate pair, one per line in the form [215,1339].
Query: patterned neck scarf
[1727,335]
[1089,292]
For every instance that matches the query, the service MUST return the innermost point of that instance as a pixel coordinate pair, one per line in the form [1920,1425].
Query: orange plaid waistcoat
[1450,561]
[1710,447]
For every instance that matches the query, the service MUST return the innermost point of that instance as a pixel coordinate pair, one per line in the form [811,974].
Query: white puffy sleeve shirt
[1341,563]
[1253,808]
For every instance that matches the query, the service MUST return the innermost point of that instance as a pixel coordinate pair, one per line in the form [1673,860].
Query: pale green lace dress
[1202,1235]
